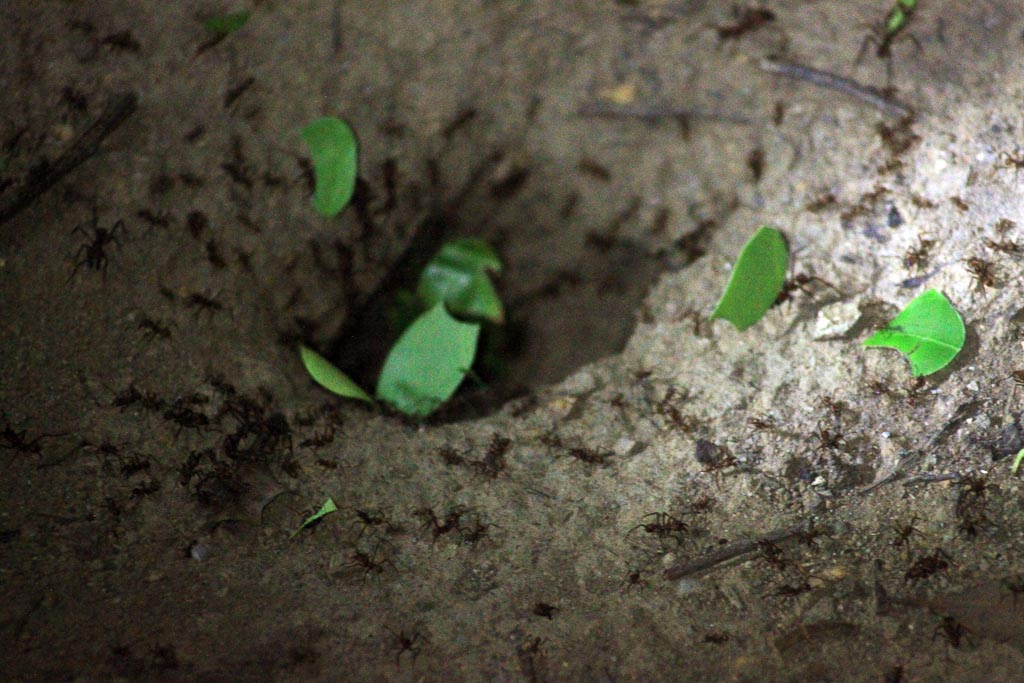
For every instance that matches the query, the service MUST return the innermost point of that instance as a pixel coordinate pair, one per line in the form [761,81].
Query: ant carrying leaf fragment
[757,279]
[327,508]
[332,144]
[929,331]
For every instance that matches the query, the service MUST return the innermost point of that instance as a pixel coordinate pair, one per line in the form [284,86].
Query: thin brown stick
[732,551]
[120,107]
[847,86]
[656,113]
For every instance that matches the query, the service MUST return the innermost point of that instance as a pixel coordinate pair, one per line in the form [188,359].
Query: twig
[733,550]
[847,86]
[656,113]
[36,183]
[927,478]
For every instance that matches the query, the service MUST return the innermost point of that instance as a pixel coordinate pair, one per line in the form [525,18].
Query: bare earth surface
[163,442]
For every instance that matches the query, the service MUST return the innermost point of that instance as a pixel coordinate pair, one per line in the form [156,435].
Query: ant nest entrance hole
[572,285]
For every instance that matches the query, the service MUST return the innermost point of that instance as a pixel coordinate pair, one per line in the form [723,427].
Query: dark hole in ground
[565,307]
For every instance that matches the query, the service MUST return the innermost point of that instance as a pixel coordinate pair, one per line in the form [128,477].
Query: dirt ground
[645,495]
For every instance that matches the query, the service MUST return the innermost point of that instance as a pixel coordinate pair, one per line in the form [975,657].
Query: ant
[1014,584]
[959,203]
[663,526]
[369,563]
[953,632]
[318,440]
[926,565]
[368,520]
[155,220]
[11,440]
[201,302]
[981,271]
[759,424]
[591,456]
[1016,163]
[147,489]
[821,202]
[494,459]
[828,439]
[716,638]
[1005,246]
[153,329]
[214,256]
[437,527]
[93,254]
[185,417]
[634,578]
[144,399]
[904,533]
[885,36]
[917,257]
[750,19]
[799,282]
[789,592]
[412,643]
[1004,224]
[772,555]
[543,609]
[971,503]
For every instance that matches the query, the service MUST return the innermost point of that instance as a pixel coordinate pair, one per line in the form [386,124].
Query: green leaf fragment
[327,508]
[756,280]
[327,375]
[929,331]
[1016,462]
[332,144]
[428,362]
[457,276]
[223,24]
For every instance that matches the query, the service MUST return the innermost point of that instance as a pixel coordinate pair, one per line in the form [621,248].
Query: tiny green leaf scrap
[428,362]
[756,280]
[223,24]
[327,508]
[457,276]
[1016,462]
[327,375]
[929,331]
[332,144]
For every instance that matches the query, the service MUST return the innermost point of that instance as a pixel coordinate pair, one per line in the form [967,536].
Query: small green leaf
[929,331]
[457,275]
[428,362]
[327,508]
[330,377]
[1016,462]
[756,280]
[332,144]
[223,24]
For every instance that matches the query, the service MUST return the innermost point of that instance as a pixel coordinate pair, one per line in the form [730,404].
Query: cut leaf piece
[756,280]
[332,144]
[928,331]
[457,275]
[1016,462]
[327,508]
[330,377]
[428,362]
[223,24]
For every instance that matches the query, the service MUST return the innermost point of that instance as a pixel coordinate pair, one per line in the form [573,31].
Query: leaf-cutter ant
[926,565]
[749,19]
[93,254]
[903,534]
[982,271]
[1009,161]
[953,632]
[201,302]
[412,643]
[1005,246]
[800,282]
[917,257]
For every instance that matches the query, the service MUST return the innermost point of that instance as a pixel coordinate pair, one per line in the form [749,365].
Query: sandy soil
[163,443]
